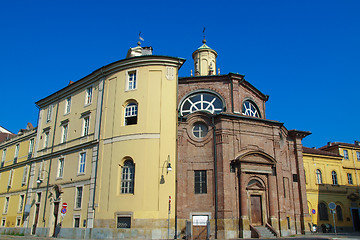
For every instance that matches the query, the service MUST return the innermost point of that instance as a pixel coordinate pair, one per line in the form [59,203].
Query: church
[239,174]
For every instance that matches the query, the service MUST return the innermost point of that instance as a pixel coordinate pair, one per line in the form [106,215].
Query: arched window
[323,212]
[339,213]
[250,109]
[318,176]
[131,114]
[334,178]
[128,177]
[201,101]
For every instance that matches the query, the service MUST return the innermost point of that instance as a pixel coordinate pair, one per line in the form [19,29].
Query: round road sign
[313,211]
[63,211]
[64,205]
[332,206]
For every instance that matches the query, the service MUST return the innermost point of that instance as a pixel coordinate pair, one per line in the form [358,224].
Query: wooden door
[256,210]
[199,232]
[56,211]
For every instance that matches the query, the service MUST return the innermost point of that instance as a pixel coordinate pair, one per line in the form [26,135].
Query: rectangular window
[78,199]
[18,221]
[346,155]
[350,180]
[46,139]
[358,156]
[295,178]
[82,162]
[60,168]
[86,126]
[76,221]
[49,113]
[41,170]
[3,158]
[11,173]
[21,203]
[31,148]
[16,155]
[38,197]
[131,81]
[25,174]
[200,182]
[88,97]
[67,105]
[6,205]
[3,222]
[65,128]
[123,222]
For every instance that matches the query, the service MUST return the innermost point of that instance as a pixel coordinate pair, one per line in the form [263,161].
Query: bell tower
[204,60]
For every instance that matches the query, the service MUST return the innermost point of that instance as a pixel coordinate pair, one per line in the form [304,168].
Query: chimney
[357,143]
[329,144]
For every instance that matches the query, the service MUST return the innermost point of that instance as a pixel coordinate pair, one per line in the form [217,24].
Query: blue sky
[304,54]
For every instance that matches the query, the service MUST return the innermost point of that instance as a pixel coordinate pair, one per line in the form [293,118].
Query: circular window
[250,109]
[200,130]
[201,102]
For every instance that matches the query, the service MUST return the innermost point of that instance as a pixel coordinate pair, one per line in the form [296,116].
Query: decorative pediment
[257,157]
[353,197]
[254,185]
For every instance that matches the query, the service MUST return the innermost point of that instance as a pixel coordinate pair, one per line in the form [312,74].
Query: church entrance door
[256,210]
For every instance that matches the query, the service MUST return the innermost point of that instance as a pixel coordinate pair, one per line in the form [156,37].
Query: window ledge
[77,209]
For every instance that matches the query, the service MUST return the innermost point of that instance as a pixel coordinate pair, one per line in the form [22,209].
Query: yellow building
[332,176]
[16,156]
[105,152]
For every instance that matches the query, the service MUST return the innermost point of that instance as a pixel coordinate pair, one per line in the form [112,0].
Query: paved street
[318,236]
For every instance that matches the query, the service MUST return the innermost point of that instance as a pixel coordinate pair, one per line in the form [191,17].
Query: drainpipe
[51,157]
[215,177]
[232,94]
[356,174]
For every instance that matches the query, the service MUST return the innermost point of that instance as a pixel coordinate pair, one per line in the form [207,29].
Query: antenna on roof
[204,41]
[140,39]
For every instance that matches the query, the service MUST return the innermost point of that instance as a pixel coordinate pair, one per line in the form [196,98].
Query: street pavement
[316,236]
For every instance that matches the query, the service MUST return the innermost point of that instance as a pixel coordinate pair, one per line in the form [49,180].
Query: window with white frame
[358,156]
[346,154]
[46,138]
[49,113]
[334,178]
[78,199]
[31,148]
[25,174]
[131,80]
[131,111]
[82,161]
[67,105]
[16,155]
[65,128]
[6,204]
[18,221]
[41,170]
[3,157]
[128,177]
[318,176]
[350,180]
[21,203]
[76,221]
[11,174]
[88,96]
[86,125]
[60,168]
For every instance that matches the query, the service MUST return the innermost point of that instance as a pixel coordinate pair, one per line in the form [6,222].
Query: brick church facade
[238,172]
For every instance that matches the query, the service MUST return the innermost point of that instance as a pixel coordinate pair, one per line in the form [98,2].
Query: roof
[6,136]
[319,152]
[340,144]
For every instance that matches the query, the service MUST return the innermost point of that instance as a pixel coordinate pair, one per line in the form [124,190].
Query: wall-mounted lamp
[168,169]
[39,181]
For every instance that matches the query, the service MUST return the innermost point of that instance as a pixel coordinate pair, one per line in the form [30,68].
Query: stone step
[265,232]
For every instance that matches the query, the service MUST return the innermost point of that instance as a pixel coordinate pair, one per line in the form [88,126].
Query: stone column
[273,203]
[245,223]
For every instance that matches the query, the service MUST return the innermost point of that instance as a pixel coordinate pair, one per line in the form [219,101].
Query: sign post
[169,218]
[332,206]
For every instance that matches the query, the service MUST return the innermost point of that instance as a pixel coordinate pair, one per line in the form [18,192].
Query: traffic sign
[332,206]
[313,211]
[63,211]
[64,205]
